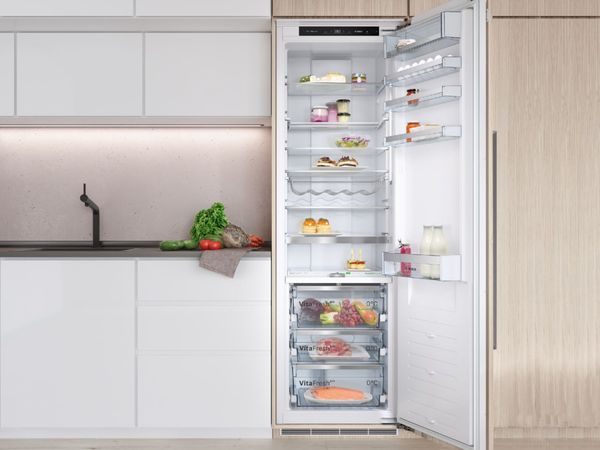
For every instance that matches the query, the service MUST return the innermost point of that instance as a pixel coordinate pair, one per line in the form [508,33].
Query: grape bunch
[348,316]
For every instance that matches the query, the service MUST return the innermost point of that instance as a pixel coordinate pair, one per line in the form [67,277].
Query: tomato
[204,244]
[214,245]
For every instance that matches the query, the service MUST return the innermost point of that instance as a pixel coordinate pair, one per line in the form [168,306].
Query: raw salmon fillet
[337,393]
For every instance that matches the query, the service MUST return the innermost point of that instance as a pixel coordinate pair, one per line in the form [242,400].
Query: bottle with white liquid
[426,249]
[438,247]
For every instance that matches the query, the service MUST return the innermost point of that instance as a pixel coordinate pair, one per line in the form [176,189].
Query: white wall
[149,183]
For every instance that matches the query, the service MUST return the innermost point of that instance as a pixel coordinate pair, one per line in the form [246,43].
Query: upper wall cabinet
[79,74]
[66,7]
[340,8]
[206,8]
[420,6]
[584,8]
[208,74]
[7,74]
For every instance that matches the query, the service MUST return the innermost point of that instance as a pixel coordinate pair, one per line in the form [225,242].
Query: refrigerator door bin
[337,346]
[438,268]
[310,379]
[439,67]
[425,99]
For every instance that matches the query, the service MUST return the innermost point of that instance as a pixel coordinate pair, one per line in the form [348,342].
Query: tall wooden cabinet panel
[545,104]
[419,6]
[7,74]
[545,7]
[340,8]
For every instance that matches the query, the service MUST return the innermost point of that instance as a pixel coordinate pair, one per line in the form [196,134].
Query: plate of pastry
[321,227]
[354,264]
[345,162]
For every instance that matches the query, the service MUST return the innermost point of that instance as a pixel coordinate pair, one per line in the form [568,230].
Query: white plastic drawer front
[222,8]
[66,7]
[185,280]
[229,390]
[226,326]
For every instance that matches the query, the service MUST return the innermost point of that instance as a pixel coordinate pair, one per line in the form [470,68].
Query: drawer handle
[432,372]
[431,336]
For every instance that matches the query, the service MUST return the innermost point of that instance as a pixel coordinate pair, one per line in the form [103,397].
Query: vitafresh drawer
[337,346]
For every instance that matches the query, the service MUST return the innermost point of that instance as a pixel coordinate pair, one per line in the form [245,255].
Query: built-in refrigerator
[368,331]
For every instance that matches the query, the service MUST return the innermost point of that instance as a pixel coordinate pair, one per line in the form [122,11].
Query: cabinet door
[66,7]
[340,8]
[67,343]
[208,74]
[79,74]
[420,6]
[223,8]
[545,103]
[7,74]
[545,7]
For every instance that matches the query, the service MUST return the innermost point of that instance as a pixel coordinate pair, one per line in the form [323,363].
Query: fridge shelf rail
[324,126]
[335,208]
[430,134]
[432,35]
[428,267]
[424,72]
[342,239]
[368,151]
[324,88]
[424,100]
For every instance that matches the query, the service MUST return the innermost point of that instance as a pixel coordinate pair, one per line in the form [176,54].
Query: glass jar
[425,249]
[343,117]
[438,247]
[343,105]
[410,126]
[412,92]
[359,77]
[332,112]
[319,114]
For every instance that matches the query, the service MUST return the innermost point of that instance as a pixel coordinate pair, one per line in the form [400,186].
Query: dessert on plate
[356,263]
[309,225]
[323,226]
[326,161]
[347,161]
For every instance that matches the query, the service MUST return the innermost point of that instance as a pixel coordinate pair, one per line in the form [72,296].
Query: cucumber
[190,244]
[171,245]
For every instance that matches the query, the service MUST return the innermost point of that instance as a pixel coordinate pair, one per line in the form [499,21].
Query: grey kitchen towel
[223,261]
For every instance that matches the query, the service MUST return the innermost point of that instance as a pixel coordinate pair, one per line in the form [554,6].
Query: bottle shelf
[433,133]
[297,238]
[424,100]
[324,88]
[434,34]
[334,125]
[423,72]
[416,266]
[316,174]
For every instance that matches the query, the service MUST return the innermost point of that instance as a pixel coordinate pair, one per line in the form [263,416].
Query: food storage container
[358,346]
[359,77]
[410,126]
[319,114]
[332,112]
[343,105]
[412,92]
[343,117]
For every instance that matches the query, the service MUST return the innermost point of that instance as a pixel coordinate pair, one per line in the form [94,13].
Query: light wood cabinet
[66,7]
[7,74]
[67,343]
[79,74]
[545,103]
[420,6]
[545,7]
[340,8]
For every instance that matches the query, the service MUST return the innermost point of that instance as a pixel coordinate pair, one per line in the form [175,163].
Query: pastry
[323,226]
[326,161]
[356,263]
[347,161]
[333,77]
[309,225]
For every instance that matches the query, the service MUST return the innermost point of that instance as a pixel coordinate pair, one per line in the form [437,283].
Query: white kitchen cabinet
[67,343]
[223,8]
[7,74]
[66,7]
[79,74]
[208,74]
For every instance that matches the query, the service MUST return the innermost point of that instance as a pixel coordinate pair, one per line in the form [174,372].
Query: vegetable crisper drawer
[349,306]
[338,386]
[337,346]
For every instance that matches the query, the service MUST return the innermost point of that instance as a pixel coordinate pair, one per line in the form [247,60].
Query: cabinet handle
[494,238]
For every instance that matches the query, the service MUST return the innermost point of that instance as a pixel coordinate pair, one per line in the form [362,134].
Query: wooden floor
[288,444]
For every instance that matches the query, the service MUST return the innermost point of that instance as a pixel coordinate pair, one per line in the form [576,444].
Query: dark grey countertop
[111,250]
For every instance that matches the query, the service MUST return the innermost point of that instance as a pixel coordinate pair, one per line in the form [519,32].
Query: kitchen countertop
[45,250]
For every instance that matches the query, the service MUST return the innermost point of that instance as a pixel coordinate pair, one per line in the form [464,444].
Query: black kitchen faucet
[96,217]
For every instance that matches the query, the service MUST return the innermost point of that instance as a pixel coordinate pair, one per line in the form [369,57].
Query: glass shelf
[321,88]
[426,267]
[437,33]
[418,137]
[356,151]
[335,207]
[424,100]
[333,125]
[342,239]
[314,174]
[437,68]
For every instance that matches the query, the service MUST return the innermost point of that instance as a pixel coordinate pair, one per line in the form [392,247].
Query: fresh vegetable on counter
[209,223]
[256,241]
[172,245]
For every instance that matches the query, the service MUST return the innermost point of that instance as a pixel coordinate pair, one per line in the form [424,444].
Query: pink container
[319,114]
[332,112]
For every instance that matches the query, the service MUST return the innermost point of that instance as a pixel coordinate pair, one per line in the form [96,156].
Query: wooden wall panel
[419,6]
[340,8]
[545,7]
[545,104]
